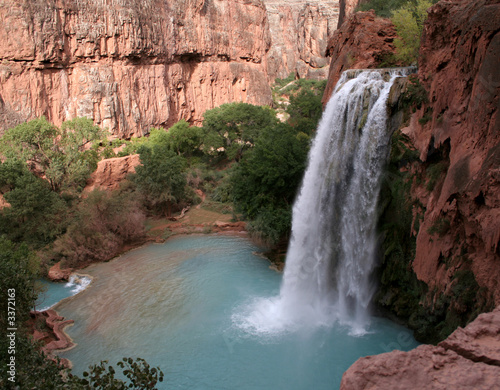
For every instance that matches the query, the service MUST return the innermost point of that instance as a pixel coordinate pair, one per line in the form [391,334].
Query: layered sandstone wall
[130,65]
[299,35]
[460,129]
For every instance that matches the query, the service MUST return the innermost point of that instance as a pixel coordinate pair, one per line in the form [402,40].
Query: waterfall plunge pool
[176,304]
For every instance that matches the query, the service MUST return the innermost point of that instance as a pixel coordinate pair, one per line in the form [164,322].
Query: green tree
[161,177]
[232,128]
[36,214]
[409,22]
[305,108]
[18,271]
[184,139]
[265,182]
[64,156]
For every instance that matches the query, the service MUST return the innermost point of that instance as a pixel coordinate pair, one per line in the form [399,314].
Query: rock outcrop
[111,172]
[362,42]
[130,64]
[56,274]
[458,135]
[468,359]
[52,335]
[299,33]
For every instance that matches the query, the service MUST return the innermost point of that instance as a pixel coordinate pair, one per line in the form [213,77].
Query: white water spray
[331,258]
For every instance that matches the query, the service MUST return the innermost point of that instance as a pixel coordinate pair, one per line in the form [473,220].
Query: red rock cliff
[127,64]
[459,66]
[361,43]
[299,34]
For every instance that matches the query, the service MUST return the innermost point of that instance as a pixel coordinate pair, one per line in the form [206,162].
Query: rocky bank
[468,359]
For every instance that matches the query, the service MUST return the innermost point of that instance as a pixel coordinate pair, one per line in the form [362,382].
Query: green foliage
[280,83]
[382,8]
[18,271]
[399,290]
[434,172]
[265,182]
[415,94]
[34,370]
[305,108]
[161,177]
[102,224]
[36,214]
[441,226]
[232,128]
[271,225]
[409,23]
[184,139]
[64,156]
[139,373]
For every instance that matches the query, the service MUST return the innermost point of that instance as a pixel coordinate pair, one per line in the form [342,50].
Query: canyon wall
[130,65]
[458,136]
[299,35]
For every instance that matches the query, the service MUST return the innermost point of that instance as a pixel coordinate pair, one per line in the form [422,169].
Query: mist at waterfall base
[331,257]
[211,313]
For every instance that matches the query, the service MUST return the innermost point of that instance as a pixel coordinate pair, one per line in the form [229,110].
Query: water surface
[180,304]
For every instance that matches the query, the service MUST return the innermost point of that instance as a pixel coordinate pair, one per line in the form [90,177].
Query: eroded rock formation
[362,42]
[299,34]
[459,129]
[468,359]
[130,65]
[111,172]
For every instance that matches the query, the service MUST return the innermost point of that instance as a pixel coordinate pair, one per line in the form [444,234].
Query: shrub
[409,22]
[103,223]
[161,177]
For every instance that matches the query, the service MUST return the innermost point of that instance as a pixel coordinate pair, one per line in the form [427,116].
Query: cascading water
[330,259]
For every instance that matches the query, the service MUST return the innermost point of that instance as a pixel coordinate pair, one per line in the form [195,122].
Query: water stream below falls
[180,304]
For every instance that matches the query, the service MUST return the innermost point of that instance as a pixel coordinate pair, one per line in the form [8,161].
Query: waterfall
[331,256]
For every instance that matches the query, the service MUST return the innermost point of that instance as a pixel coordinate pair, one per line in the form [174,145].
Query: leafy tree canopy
[265,182]
[409,22]
[232,128]
[65,155]
[36,214]
[161,176]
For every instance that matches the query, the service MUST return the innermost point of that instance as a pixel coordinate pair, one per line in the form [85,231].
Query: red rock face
[111,172]
[360,43]
[130,65]
[299,35]
[459,66]
[468,359]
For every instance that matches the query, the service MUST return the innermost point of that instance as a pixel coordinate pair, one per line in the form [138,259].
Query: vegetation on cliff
[408,17]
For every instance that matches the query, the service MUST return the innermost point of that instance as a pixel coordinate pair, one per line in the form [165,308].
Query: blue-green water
[179,305]
[53,293]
